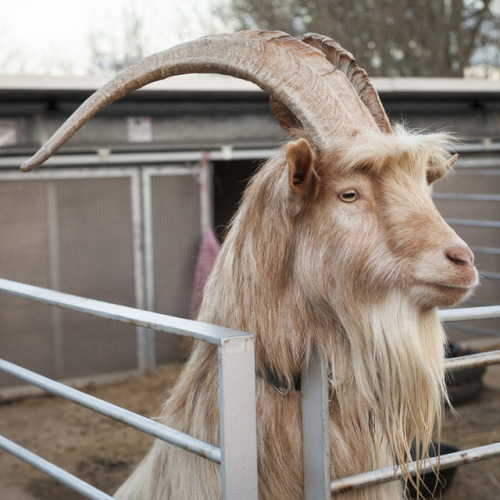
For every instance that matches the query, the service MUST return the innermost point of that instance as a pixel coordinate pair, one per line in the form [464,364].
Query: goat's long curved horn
[345,62]
[288,69]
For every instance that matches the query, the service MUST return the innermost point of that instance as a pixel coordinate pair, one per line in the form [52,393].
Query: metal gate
[238,453]
[127,235]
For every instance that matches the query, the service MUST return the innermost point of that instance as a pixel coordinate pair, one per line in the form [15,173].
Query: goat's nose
[461,255]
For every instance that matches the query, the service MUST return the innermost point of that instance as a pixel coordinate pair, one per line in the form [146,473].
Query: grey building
[118,214]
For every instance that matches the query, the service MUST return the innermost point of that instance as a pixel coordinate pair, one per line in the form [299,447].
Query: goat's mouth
[457,282]
[446,287]
[447,293]
[450,289]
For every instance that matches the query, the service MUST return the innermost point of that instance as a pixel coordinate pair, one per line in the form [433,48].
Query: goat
[336,246]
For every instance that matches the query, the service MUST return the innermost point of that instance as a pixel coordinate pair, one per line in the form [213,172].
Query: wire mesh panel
[26,335]
[73,235]
[96,261]
[82,231]
[175,224]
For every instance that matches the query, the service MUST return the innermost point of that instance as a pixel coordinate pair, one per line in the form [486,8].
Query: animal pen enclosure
[237,454]
[137,240]
[85,228]
[120,268]
[130,235]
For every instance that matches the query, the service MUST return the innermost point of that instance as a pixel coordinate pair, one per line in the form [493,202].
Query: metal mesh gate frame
[141,217]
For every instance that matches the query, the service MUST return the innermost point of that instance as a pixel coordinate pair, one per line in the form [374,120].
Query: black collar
[280,382]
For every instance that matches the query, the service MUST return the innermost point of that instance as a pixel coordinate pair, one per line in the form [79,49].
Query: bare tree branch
[388,37]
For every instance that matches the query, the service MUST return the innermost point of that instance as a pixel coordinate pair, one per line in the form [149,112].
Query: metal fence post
[315,429]
[143,225]
[238,430]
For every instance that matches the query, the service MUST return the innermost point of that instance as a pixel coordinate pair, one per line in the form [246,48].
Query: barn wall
[76,235]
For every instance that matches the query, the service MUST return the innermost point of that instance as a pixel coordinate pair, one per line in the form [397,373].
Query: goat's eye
[349,196]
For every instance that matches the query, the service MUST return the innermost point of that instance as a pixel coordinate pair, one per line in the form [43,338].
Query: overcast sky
[52,37]
[48,36]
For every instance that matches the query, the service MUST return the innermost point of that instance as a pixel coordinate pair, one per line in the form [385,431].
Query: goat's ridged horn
[288,69]
[345,62]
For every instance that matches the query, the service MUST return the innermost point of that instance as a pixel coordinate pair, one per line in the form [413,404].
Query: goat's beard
[388,377]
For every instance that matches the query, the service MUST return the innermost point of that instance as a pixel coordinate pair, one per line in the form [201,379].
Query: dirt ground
[103,452]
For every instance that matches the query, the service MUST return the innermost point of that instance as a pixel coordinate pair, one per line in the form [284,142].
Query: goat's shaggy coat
[357,279]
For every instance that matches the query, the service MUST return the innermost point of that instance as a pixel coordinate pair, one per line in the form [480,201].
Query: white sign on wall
[139,129]
[8,133]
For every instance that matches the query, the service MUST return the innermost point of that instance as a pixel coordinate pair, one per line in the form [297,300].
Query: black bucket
[432,485]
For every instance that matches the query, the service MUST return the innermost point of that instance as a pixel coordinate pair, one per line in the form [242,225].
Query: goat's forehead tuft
[374,153]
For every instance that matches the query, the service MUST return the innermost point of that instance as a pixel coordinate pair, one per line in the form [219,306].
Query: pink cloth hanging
[207,254]
[209,248]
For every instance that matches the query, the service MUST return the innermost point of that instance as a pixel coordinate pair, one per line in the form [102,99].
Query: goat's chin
[435,294]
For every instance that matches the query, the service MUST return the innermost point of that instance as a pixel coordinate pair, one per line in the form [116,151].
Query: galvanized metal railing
[388,474]
[237,454]
[315,415]
[447,461]
[52,470]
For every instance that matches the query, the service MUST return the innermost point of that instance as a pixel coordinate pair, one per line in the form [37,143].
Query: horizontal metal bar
[469,313]
[143,424]
[484,162]
[488,250]
[473,223]
[472,360]
[466,197]
[140,158]
[489,275]
[92,173]
[478,147]
[494,172]
[74,173]
[53,471]
[470,329]
[161,322]
[387,474]
[171,170]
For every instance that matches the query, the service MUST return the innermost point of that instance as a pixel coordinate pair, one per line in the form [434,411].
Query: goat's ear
[301,173]
[436,170]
